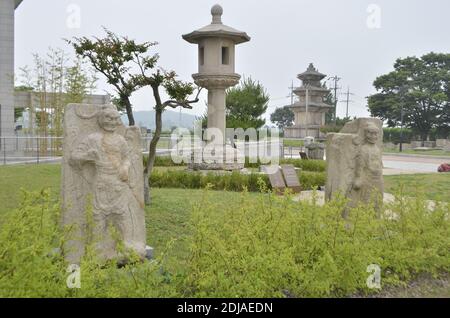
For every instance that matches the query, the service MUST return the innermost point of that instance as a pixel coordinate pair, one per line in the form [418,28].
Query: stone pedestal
[316,151]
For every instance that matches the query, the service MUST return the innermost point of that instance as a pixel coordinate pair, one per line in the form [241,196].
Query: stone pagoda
[310,108]
[216,72]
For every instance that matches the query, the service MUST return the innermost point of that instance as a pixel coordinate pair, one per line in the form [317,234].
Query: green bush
[163,161]
[274,247]
[270,246]
[234,181]
[196,180]
[306,165]
[30,266]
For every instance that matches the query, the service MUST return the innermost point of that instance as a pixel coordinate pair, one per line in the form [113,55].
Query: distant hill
[169,119]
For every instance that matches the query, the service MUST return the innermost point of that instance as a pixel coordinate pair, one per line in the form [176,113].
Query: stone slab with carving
[275,177]
[291,178]
[102,172]
[354,162]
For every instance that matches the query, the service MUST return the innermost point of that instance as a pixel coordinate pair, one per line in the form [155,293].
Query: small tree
[114,57]
[246,103]
[283,117]
[128,67]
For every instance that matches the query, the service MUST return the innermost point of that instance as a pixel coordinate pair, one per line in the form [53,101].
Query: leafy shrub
[30,266]
[196,180]
[274,247]
[306,165]
[259,246]
[234,181]
[163,161]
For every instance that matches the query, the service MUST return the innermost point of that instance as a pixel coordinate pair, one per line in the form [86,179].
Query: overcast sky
[353,39]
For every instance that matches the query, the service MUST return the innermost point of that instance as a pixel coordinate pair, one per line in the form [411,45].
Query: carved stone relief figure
[354,163]
[102,167]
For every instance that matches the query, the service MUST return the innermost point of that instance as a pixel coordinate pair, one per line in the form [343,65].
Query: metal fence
[35,149]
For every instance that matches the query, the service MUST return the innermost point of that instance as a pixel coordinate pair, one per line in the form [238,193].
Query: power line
[292,93]
[347,100]
[335,80]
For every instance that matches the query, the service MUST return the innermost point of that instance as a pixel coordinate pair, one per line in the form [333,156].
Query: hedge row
[305,165]
[231,182]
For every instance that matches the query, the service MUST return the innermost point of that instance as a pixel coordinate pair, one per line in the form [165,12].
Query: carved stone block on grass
[354,162]
[102,184]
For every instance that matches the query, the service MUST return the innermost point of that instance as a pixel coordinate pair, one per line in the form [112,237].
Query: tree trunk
[152,148]
[147,198]
[129,111]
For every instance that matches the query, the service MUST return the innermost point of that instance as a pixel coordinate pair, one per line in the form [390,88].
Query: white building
[7,9]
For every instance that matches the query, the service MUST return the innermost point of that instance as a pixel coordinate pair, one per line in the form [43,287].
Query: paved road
[411,164]
[394,164]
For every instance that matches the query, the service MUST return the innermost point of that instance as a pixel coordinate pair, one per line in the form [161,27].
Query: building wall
[7,67]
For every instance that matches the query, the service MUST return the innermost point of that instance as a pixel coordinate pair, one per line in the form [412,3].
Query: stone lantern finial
[216,12]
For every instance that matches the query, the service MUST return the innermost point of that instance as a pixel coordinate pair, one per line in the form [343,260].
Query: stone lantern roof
[216,29]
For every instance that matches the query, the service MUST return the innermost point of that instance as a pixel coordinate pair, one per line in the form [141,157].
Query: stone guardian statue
[102,173]
[354,163]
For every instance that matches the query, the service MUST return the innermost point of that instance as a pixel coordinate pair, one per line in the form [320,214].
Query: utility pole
[307,106]
[347,100]
[291,95]
[335,87]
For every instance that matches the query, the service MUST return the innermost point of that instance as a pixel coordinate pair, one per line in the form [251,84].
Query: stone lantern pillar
[216,59]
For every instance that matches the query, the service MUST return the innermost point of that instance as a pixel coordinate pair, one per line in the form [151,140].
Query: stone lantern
[216,59]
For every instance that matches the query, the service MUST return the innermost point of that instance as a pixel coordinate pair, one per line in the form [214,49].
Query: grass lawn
[293,142]
[435,186]
[441,153]
[167,218]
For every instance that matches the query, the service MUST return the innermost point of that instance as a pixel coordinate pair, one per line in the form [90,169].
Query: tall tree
[246,103]
[282,117]
[128,66]
[419,87]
